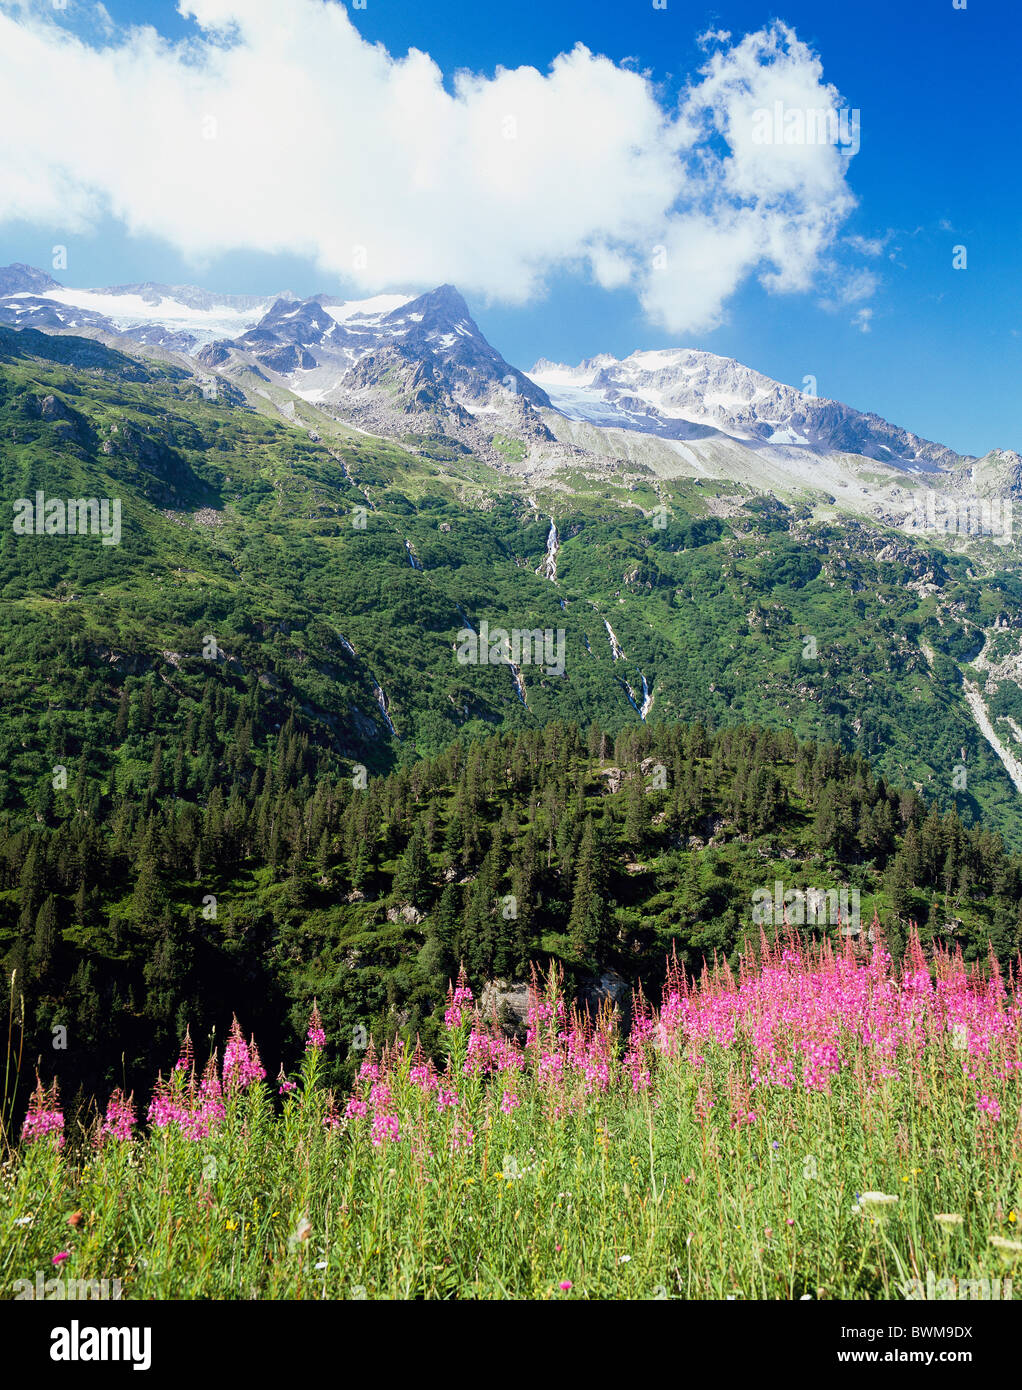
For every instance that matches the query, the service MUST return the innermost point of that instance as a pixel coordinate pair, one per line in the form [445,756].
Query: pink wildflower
[458,999]
[119,1122]
[315,1037]
[44,1116]
[241,1061]
[509,1102]
[989,1106]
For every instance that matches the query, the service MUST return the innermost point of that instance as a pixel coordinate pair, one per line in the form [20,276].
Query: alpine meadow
[475,831]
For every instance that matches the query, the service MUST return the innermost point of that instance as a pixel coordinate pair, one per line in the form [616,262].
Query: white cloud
[849,286]
[282,130]
[713,36]
[869,246]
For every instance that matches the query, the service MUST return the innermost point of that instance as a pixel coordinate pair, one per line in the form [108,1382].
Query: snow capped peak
[685,393]
[584,374]
[131,310]
[181,316]
[344,311]
[657,359]
[426,353]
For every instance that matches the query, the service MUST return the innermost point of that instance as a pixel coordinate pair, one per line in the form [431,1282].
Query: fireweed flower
[242,1065]
[370,1068]
[119,1122]
[44,1117]
[315,1036]
[458,1000]
[461,1137]
[163,1109]
[422,1072]
[61,1256]
[509,1102]
[186,1061]
[212,1108]
[385,1128]
[798,1019]
[331,1120]
[989,1106]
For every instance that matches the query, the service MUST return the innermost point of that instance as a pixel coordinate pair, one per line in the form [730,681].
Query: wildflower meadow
[821,1125]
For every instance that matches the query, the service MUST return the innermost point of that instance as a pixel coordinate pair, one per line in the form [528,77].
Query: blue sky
[938,167]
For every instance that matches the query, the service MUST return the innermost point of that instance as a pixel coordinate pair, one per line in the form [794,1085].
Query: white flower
[23,1221]
[322,1264]
[877,1199]
[623,1259]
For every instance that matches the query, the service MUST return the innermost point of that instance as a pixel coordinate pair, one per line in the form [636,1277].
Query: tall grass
[12,1061]
[823,1126]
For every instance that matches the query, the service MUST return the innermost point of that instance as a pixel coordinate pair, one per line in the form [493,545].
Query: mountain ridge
[315,344]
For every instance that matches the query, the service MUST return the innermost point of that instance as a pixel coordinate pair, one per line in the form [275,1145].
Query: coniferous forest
[240,766]
[250,873]
[486,831]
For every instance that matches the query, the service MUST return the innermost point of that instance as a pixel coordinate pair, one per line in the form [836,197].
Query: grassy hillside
[240,762]
[826,1127]
[129,916]
[336,570]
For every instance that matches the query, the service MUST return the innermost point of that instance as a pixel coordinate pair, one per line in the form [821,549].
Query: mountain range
[256,695]
[596,491]
[398,365]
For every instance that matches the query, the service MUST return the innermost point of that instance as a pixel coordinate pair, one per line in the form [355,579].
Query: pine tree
[439,956]
[121,721]
[412,879]
[44,938]
[587,924]
[638,816]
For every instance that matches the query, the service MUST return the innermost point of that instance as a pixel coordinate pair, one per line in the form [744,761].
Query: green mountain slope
[292,544]
[240,762]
